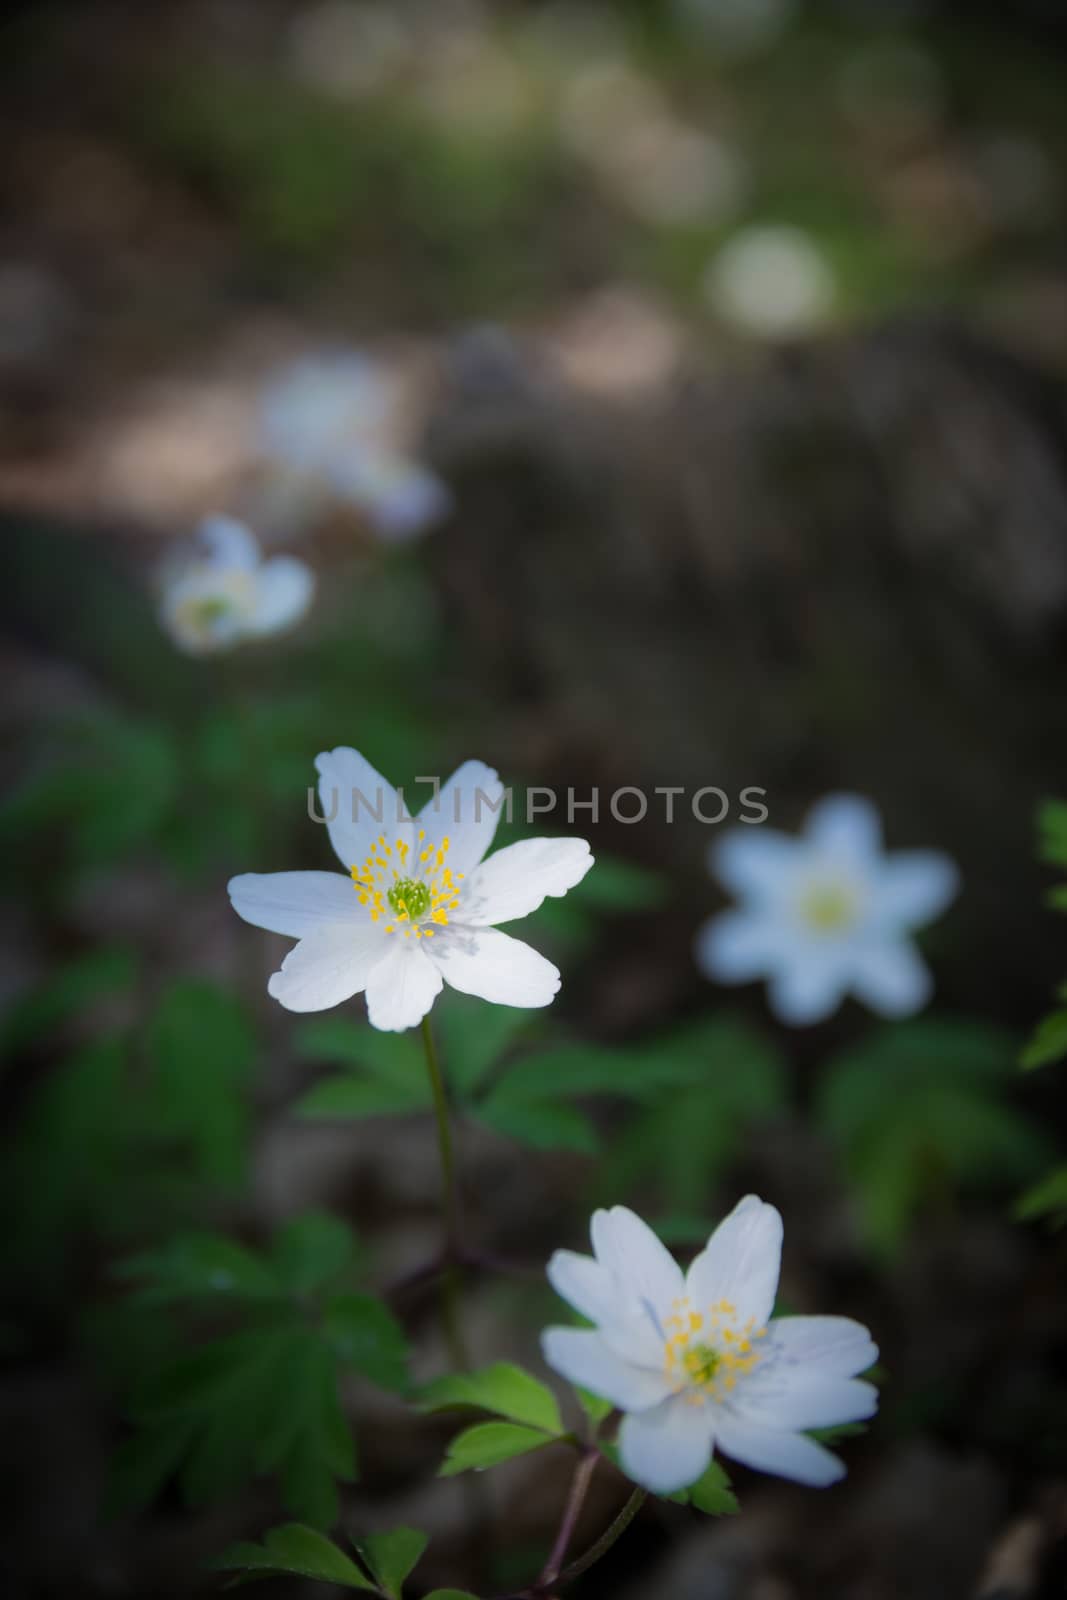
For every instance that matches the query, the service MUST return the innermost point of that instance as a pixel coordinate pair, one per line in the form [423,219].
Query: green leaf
[199,1266]
[576,1069]
[451,1594]
[202,1049]
[312,1251]
[712,1493]
[594,1406]
[503,1388]
[544,1125]
[393,1057]
[617,885]
[298,1550]
[368,1338]
[1048,1042]
[487,1444]
[70,989]
[1052,828]
[474,1037]
[360,1097]
[391,1556]
[919,1108]
[1047,1198]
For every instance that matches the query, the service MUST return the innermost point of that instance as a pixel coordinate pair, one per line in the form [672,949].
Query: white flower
[771,280]
[418,906]
[693,1358]
[224,593]
[331,420]
[826,914]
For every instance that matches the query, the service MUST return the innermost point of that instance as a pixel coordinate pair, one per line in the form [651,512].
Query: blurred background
[662,394]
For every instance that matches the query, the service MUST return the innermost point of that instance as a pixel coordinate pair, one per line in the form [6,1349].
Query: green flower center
[701,1362]
[828,908]
[410,896]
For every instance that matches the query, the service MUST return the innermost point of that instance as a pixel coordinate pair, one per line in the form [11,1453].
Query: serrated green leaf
[368,1338]
[712,1493]
[361,1097]
[543,1125]
[1047,1043]
[503,1388]
[391,1556]
[198,1266]
[299,1550]
[487,1444]
[312,1251]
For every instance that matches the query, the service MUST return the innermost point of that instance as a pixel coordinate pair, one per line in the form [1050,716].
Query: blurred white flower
[738,28]
[330,422]
[694,1359]
[771,280]
[223,592]
[418,907]
[826,914]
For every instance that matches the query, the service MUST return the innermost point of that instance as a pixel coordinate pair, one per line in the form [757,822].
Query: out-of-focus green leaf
[368,1338]
[385,1076]
[338,1098]
[194,1266]
[202,1048]
[312,1251]
[487,1444]
[391,1556]
[1052,829]
[297,1550]
[617,885]
[1046,1198]
[68,990]
[920,1108]
[474,1037]
[711,1493]
[595,1407]
[542,1124]
[503,1388]
[1048,1043]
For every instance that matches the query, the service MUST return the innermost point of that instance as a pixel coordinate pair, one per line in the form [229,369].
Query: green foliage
[1049,1040]
[297,1551]
[708,1084]
[919,1108]
[259,1395]
[71,988]
[711,1493]
[488,1444]
[531,1410]
[385,1073]
[391,1556]
[1046,1198]
[197,1022]
[503,1388]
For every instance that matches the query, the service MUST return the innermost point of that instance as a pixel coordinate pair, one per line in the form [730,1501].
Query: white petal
[584,1284]
[788,1398]
[515,880]
[322,407]
[667,1448]
[581,1356]
[915,886]
[812,983]
[359,803]
[891,977]
[754,862]
[740,1262]
[295,903]
[787,1455]
[847,829]
[738,946]
[835,1346]
[493,966]
[401,498]
[641,1262]
[466,812]
[229,543]
[328,966]
[403,988]
[284,588]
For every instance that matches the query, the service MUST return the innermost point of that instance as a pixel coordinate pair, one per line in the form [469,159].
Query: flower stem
[607,1538]
[583,1473]
[450,1282]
